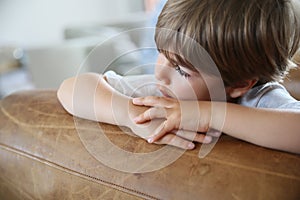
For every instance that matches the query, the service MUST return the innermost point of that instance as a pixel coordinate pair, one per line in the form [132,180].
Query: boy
[234,88]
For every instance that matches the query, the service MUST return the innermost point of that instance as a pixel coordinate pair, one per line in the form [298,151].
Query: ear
[241,88]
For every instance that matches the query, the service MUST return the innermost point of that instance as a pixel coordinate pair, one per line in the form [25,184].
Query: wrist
[134,111]
[213,114]
[120,109]
[124,111]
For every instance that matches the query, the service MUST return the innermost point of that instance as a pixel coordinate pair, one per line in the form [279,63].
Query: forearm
[278,129]
[89,96]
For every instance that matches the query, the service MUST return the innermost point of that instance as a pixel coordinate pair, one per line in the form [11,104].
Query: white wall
[38,22]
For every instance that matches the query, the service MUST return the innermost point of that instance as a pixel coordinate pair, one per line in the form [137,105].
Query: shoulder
[133,85]
[269,95]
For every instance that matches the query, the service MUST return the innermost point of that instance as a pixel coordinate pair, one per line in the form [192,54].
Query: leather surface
[26,177]
[42,156]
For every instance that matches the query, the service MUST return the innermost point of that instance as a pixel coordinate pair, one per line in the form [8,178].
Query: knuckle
[167,126]
[144,115]
[152,112]
[169,138]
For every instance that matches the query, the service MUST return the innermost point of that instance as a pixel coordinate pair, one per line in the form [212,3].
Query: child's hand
[175,119]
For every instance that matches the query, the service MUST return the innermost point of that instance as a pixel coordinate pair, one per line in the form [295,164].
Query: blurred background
[43,42]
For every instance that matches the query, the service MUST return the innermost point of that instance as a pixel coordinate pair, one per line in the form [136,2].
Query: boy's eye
[181,72]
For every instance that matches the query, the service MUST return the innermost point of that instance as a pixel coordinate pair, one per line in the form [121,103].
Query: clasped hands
[180,122]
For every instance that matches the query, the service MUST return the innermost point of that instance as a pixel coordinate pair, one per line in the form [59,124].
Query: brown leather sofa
[43,156]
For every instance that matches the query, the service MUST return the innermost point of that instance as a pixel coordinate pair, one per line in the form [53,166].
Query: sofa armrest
[43,155]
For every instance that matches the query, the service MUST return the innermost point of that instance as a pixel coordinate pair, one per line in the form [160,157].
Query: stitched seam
[80,174]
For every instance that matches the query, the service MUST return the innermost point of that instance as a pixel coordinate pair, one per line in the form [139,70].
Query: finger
[176,141]
[214,133]
[194,136]
[150,114]
[205,139]
[152,101]
[189,135]
[162,130]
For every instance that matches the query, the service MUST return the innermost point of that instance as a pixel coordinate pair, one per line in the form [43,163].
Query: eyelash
[181,72]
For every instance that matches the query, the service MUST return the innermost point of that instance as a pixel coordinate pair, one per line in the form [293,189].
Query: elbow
[64,96]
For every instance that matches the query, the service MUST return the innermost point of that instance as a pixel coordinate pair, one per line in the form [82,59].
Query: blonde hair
[245,39]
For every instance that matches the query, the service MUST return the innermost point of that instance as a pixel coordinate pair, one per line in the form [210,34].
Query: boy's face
[184,84]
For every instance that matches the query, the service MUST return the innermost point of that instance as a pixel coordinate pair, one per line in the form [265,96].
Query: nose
[162,73]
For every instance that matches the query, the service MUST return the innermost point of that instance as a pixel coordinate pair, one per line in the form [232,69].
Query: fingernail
[207,139]
[215,133]
[135,100]
[191,146]
[150,140]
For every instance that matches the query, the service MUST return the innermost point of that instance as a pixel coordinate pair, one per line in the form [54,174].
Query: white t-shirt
[269,95]
[133,86]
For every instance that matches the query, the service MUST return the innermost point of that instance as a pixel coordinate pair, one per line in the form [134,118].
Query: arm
[278,129]
[89,96]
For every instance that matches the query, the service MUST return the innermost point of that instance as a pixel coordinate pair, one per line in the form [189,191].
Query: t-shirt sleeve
[270,95]
[133,86]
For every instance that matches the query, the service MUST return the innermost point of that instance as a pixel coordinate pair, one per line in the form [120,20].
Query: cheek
[196,89]
[189,91]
